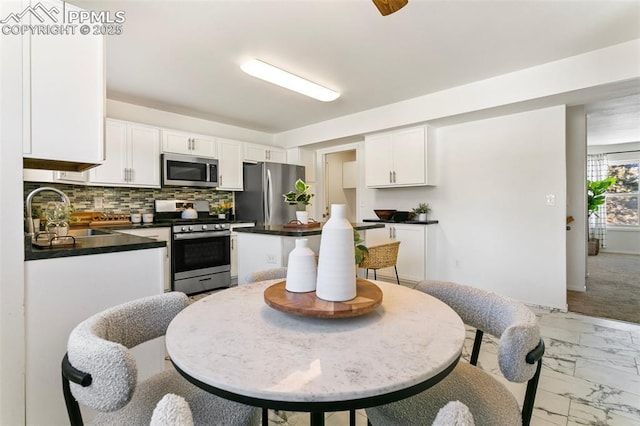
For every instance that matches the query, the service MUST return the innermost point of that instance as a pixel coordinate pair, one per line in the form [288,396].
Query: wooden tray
[368,297]
[109,222]
[298,225]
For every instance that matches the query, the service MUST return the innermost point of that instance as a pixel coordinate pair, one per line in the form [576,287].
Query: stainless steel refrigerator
[262,201]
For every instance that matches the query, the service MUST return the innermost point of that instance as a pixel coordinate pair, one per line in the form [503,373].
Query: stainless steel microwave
[187,170]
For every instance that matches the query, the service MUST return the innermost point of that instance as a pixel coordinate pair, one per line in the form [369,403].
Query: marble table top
[231,340]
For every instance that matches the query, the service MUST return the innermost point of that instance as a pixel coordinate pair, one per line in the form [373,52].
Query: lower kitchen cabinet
[234,250]
[160,234]
[414,254]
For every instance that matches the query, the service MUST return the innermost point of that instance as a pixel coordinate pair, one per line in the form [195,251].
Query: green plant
[360,249]
[36,212]
[422,208]
[596,193]
[300,196]
[222,208]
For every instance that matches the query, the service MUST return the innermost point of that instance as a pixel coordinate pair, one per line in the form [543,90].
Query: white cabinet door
[379,160]
[114,169]
[256,152]
[144,155]
[133,156]
[306,158]
[64,95]
[188,143]
[230,165]
[159,234]
[409,157]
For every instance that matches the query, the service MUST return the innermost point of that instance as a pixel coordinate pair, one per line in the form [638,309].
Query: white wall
[335,193]
[495,230]
[170,120]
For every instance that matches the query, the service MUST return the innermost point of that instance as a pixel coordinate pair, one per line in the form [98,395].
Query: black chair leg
[265,417]
[352,417]
[375,274]
[397,277]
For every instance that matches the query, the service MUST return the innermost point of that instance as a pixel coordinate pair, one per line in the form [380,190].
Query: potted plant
[301,198]
[221,209]
[595,198]
[360,248]
[36,212]
[421,211]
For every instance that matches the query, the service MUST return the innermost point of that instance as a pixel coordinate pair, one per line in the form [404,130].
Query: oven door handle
[197,235]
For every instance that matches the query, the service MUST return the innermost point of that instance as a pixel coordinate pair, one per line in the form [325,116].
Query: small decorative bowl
[384,214]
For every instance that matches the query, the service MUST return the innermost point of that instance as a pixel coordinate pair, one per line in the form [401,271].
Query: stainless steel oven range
[200,247]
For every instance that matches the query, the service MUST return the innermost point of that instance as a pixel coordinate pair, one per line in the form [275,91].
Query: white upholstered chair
[100,372]
[267,274]
[520,353]
[172,410]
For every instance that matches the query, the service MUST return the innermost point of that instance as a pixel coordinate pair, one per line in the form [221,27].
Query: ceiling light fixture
[287,80]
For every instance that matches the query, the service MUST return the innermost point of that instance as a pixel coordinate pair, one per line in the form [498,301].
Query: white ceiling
[184,56]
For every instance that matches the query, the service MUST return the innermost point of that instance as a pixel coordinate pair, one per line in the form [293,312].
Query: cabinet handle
[394,177]
[232,244]
[268,155]
[220,180]
[390,176]
[124,176]
[130,175]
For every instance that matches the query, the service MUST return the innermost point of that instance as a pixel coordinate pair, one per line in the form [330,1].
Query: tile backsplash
[122,200]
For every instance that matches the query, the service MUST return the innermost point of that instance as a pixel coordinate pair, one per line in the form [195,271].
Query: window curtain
[597,169]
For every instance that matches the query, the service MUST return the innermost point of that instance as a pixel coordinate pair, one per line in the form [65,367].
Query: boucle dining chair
[267,274]
[519,353]
[99,370]
[381,256]
[172,410]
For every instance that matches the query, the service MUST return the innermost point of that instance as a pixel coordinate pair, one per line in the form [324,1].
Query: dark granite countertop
[408,222]
[97,244]
[280,230]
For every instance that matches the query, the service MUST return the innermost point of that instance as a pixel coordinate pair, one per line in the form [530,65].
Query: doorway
[340,182]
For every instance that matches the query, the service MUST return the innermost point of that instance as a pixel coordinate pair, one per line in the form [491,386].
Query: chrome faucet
[64,197]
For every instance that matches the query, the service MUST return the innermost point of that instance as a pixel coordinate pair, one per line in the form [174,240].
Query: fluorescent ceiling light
[287,80]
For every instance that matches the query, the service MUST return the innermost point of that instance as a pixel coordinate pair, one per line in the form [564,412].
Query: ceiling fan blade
[387,7]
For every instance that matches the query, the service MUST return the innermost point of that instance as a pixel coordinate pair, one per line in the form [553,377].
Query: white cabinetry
[159,234]
[230,165]
[133,156]
[255,152]
[412,254]
[234,250]
[306,158]
[400,158]
[58,295]
[64,96]
[188,143]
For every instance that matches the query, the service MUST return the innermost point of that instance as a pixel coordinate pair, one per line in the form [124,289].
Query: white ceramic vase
[222,215]
[422,217]
[302,216]
[336,264]
[301,268]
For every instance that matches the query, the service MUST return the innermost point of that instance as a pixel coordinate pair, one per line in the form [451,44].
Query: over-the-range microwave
[187,170]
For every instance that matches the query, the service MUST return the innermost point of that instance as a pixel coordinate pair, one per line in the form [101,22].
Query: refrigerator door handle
[268,194]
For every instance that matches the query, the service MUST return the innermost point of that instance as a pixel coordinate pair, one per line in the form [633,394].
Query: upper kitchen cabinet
[230,165]
[188,143]
[133,156]
[255,152]
[306,158]
[63,98]
[400,158]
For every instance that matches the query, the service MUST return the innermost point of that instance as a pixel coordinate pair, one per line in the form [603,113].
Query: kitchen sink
[86,232]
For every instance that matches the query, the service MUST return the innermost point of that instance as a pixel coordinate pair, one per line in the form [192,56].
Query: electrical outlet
[98,202]
[271,258]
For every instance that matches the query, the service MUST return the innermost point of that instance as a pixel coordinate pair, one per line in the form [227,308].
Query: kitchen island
[266,247]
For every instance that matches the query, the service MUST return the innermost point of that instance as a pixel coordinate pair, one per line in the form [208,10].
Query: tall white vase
[301,268]
[336,264]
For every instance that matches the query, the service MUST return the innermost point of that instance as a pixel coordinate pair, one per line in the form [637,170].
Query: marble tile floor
[590,374]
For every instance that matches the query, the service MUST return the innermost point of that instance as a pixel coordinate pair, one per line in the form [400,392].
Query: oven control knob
[191,228]
[217,226]
[184,228]
[204,227]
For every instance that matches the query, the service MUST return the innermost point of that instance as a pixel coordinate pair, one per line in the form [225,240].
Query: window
[622,198]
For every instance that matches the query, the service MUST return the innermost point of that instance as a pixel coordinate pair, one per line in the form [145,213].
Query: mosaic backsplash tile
[122,200]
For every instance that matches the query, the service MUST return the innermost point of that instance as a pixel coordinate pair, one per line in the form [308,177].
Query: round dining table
[232,344]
